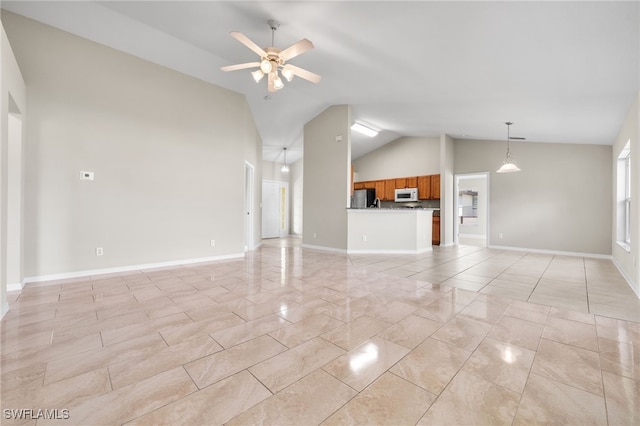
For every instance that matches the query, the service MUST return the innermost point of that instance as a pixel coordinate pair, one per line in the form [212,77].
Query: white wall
[12,105]
[327,174]
[168,152]
[560,201]
[447,191]
[628,262]
[404,157]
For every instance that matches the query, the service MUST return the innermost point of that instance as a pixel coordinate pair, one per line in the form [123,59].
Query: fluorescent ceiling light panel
[361,128]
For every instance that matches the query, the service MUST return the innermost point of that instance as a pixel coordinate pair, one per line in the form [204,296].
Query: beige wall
[627,261]
[327,174]
[12,108]
[403,157]
[297,198]
[560,201]
[168,152]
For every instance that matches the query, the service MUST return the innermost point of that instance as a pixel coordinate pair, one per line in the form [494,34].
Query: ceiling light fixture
[257,75]
[361,128]
[285,168]
[509,165]
[273,60]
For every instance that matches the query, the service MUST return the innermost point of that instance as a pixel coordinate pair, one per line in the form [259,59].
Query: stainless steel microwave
[406,194]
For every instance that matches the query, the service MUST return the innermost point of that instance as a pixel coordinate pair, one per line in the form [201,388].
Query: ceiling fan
[273,60]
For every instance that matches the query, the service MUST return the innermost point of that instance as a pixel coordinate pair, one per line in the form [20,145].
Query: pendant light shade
[285,167]
[509,165]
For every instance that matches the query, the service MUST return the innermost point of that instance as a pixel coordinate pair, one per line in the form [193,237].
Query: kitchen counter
[389,230]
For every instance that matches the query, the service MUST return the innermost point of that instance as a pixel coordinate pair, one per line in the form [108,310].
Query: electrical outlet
[99,251]
[315,235]
[213,243]
[86,175]
[364,238]
[501,235]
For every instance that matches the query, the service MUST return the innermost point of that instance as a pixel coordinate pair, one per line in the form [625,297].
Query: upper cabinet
[428,187]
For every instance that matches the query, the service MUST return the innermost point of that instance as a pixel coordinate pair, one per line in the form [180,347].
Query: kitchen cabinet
[379,185]
[424,187]
[435,187]
[435,231]
[429,187]
[389,190]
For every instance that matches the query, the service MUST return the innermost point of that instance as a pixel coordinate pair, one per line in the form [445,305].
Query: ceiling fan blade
[302,73]
[296,49]
[247,42]
[240,66]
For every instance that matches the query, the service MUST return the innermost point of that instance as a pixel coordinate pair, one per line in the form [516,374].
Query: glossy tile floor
[463,335]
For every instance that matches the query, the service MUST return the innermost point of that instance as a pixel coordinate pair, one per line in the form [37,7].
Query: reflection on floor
[289,335]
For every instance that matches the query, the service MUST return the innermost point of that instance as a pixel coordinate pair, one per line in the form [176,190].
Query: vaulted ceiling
[563,72]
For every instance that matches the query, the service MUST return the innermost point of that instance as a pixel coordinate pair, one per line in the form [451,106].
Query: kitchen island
[402,231]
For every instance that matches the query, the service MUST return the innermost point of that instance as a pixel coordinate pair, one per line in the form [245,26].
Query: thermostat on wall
[86,175]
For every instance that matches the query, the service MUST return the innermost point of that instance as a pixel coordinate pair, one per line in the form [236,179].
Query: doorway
[275,208]
[472,209]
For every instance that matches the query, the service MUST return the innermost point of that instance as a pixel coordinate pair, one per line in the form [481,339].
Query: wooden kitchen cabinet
[435,187]
[380,187]
[389,190]
[429,187]
[424,187]
[435,231]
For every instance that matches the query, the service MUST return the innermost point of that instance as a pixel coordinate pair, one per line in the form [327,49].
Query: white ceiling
[563,72]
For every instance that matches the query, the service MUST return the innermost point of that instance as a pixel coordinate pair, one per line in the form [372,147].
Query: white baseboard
[333,249]
[4,310]
[630,281]
[426,250]
[16,286]
[554,252]
[92,272]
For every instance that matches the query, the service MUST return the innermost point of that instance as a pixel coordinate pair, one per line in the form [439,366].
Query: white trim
[632,284]
[425,250]
[333,249]
[555,252]
[5,309]
[92,272]
[16,286]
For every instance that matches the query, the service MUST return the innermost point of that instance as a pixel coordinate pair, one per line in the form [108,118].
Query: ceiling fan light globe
[277,83]
[265,66]
[287,73]
[257,75]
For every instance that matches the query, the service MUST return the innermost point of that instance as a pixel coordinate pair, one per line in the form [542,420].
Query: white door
[275,205]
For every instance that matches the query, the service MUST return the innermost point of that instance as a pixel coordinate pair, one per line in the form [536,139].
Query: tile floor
[463,335]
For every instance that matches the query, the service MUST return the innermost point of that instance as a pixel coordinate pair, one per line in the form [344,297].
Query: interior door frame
[457,178]
[249,206]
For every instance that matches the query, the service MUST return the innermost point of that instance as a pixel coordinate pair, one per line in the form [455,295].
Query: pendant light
[285,167]
[509,165]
